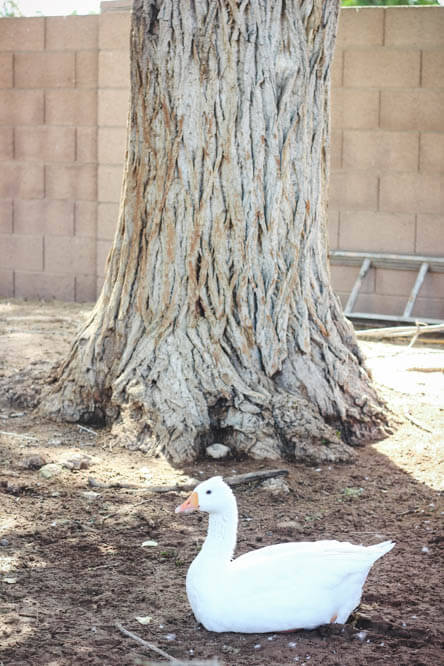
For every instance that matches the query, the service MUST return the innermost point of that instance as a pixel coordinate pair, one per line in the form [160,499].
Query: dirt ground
[71,556]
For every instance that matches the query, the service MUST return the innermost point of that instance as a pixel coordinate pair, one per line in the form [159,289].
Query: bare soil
[71,564]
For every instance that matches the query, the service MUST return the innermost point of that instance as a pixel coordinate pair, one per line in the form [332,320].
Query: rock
[93,483]
[289,526]
[217,451]
[77,461]
[34,462]
[55,442]
[149,544]
[50,470]
[4,542]
[90,495]
[276,486]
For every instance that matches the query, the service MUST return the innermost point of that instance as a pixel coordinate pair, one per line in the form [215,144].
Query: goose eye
[208,492]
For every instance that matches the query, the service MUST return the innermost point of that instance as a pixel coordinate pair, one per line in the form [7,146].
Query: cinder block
[430,235]
[109,183]
[86,144]
[86,69]
[21,107]
[23,181]
[333,228]
[394,282]
[71,107]
[421,27]
[360,27]
[428,307]
[113,107]
[114,69]
[107,218]
[433,69]
[370,231]
[70,255]
[344,277]
[71,182]
[337,68]
[355,108]
[112,145]
[50,144]
[71,32]
[6,143]
[85,288]
[85,218]
[400,283]
[114,30]
[6,284]
[380,304]
[410,192]
[381,68]
[21,252]
[353,190]
[43,216]
[44,285]
[27,32]
[5,216]
[413,109]
[6,73]
[376,149]
[433,286]
[431,153]
[103,250]
[336,149]
[44,70]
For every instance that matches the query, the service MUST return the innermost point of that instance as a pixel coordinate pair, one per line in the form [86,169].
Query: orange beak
[190,504]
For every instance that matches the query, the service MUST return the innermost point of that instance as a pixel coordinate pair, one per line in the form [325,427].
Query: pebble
[276,486]
[4,542]
[90,495]
[217,451]
[50,470]
[77,461]
[34,462]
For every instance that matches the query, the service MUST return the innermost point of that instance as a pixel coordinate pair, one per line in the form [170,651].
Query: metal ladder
[394,261]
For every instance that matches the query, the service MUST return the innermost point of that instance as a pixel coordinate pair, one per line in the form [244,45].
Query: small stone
[90,495]
[276,486]
[217,451]
[93,483]
[55,442]
[289,525]
[50,470]
[149,544]
[77,461]
[4,542]
[34,462]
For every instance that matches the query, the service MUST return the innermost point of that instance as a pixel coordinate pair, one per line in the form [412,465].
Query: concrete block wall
[63,110]
[387,178]
[48,168]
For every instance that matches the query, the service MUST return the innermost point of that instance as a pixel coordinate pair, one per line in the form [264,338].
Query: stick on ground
[145,644]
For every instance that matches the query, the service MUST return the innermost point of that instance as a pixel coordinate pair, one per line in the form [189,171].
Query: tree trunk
[217,321]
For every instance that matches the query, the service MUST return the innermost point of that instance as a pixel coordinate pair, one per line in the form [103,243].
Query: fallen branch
[398,331]
[237,480]
[416,423]
[92,432]
[17,434]
[145,644]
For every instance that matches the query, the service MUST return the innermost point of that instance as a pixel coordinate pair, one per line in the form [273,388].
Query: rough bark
[217,321]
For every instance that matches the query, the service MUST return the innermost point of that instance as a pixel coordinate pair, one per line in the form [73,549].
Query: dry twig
[145,644]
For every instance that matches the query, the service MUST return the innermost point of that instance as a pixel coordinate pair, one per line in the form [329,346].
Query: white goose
[277,588]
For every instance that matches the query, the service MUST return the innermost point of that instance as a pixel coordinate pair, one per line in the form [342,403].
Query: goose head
[213,496]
